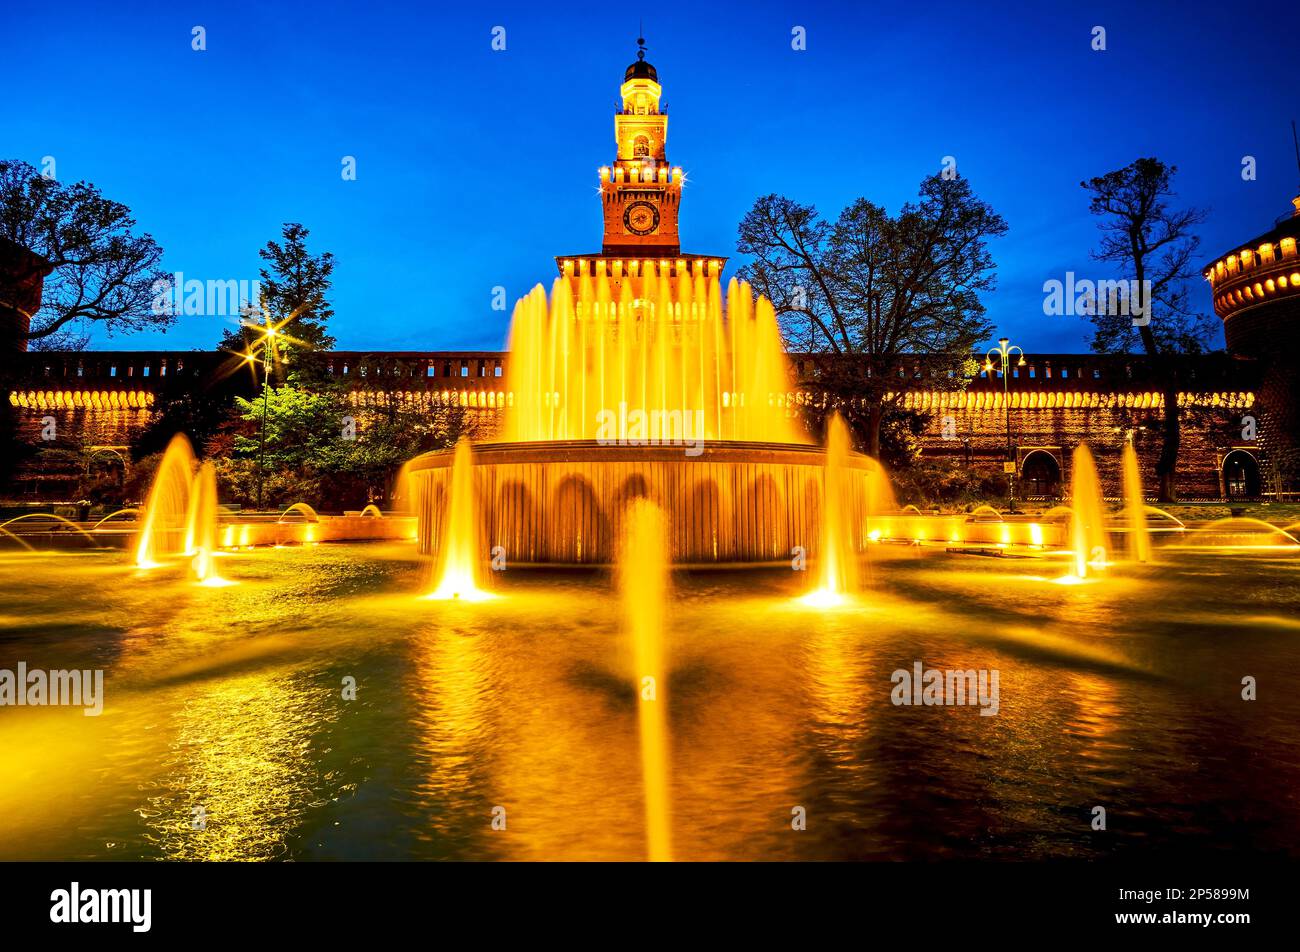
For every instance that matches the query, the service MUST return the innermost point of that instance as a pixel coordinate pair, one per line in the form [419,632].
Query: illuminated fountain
[302,509]
[129,511]
[1135,507]
[643,583]
[201,531]
[180,514]
[638,385]
[837,573]
[1087,524]
[457,572]
[648,358]
[400,496]
[167,520]
[1242,532]
[61,523]
[17,538]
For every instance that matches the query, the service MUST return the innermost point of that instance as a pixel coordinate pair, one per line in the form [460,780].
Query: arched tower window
[640,147]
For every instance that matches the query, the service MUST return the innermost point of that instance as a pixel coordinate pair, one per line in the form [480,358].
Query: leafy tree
[865,292]
[1152,240]
[312,454]
[295,287]
[103,271]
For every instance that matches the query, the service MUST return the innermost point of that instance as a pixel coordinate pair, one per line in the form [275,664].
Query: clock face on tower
[641,218]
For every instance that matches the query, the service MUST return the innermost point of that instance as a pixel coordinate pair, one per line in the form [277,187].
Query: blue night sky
[475,167]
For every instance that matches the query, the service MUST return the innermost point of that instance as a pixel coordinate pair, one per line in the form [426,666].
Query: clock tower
[640,194]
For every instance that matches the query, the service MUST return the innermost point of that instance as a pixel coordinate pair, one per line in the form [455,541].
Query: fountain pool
[1124,692]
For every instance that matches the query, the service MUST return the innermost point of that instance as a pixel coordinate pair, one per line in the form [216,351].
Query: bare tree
[1144,233]
[869,290]
[102,272]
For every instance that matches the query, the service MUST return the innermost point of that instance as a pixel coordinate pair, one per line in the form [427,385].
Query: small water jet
[643,583]
[1135,507]
[62,521]
[304,510]
[1176,524]
[17,538]
[371,511]
[1058,514]
[1240,532]
[114,515]
[457,572]
[1087,525]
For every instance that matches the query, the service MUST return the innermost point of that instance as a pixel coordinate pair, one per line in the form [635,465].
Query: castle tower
[22,278]
[640,194]
[1256,288]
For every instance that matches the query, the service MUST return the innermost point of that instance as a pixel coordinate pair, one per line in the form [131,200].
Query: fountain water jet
[166,511]
[54,517]
[19,539]
[1178,525]
[641,355]
[202,529]
[114,515]
[304,510]
[1087,526]
[1241,532]
[837,573]
[1135,507]
[399,498]
[880,501]
[643,583]
[457,573]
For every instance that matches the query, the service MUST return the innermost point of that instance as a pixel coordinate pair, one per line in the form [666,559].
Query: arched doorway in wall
[1040,475]
[1240,475]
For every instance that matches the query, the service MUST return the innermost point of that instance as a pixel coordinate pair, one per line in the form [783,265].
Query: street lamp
[268,332]
[1004,351]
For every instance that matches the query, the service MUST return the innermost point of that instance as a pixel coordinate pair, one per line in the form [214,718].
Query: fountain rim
[566,451]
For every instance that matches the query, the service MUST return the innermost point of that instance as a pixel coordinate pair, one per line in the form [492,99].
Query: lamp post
[268,332]
[1004,351]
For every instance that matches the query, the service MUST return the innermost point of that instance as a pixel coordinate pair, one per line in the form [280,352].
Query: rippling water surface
[1124,693]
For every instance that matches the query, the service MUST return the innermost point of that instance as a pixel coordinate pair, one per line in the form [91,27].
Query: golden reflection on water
[549,739]
[241,752]
[229,699]
[452,685]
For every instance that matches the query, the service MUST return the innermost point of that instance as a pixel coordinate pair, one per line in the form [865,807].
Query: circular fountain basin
[564,501]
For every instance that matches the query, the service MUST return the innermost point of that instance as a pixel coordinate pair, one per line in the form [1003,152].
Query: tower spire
[1296,142]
